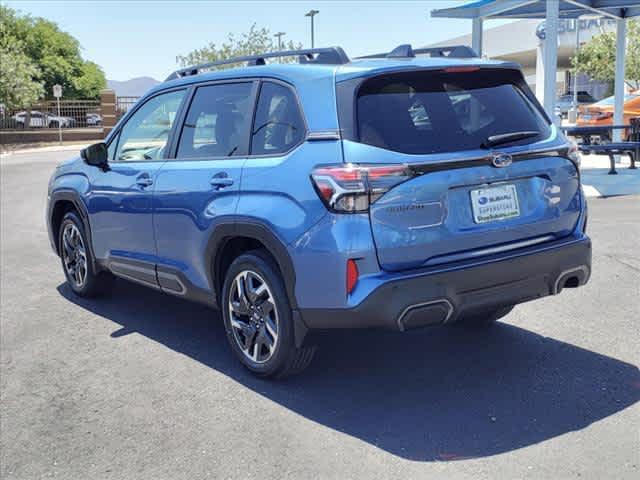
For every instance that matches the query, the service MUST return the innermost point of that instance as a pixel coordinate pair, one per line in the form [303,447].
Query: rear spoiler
[406,51]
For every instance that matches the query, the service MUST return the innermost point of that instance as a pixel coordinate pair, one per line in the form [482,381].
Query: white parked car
[93,119]
[36,120]
[40,120]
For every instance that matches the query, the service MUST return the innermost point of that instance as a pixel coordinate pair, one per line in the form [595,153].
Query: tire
[259,325]
[77,261]
[54,124]
[484,319]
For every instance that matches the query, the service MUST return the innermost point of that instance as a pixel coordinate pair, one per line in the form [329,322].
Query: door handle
[221,180]
[144,180]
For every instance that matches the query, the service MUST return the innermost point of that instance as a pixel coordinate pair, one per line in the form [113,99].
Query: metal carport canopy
[552,11]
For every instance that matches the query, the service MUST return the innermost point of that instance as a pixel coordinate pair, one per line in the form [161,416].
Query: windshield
[436,111]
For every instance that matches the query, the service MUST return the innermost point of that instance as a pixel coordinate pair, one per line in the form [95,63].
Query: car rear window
[437,111]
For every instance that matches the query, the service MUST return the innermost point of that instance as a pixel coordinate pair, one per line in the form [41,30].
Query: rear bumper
[436,297]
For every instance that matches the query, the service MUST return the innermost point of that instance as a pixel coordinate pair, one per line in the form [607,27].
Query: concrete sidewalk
[596,181]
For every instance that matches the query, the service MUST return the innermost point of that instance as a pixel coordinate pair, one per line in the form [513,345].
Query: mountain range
[134,87]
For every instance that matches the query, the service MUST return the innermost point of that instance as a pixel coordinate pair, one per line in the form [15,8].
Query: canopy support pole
[551,56]
[476,35]
[540,71]
[618,110]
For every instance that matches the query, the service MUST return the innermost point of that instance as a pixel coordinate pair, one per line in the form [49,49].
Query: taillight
[352,188]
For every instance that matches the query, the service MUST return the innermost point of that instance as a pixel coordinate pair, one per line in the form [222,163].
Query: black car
[565,102]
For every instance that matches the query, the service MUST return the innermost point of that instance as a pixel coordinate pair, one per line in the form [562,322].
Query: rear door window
[437,111]
[217,124]
[278,125]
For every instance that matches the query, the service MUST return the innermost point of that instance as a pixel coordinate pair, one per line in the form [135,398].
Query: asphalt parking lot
[143,386]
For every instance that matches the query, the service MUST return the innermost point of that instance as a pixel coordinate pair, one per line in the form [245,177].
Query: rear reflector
[352,275]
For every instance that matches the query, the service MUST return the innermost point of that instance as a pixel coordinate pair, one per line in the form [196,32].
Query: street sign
[57,91]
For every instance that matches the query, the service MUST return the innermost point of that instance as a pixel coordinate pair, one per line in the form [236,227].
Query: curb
[591,192]
[52,148]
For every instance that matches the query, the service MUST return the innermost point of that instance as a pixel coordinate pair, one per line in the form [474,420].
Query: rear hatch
[486,172]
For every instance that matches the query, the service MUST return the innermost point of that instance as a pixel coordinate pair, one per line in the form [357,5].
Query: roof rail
[327,56]
[405,51]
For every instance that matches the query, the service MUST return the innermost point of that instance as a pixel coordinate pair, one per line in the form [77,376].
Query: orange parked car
[601,113]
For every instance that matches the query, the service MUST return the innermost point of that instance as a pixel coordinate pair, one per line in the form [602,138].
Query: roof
[302,73]
[537,9]
[311,78]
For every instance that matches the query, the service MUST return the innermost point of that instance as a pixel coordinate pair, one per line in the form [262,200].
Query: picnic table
[588,146]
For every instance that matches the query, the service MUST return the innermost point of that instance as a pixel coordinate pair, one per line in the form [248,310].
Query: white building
[520,41]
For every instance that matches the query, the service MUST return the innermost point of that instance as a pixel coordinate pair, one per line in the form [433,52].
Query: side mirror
[96,155]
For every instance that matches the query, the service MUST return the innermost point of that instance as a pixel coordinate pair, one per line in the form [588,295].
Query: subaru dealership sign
[591,25]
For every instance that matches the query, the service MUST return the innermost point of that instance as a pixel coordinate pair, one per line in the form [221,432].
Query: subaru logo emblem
[501,160]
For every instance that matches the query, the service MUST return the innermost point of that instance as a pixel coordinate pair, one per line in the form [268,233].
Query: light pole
[572,114]
[279,37]
[312,13]
[575,76]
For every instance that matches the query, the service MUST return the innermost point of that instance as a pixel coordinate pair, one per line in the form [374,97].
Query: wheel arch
[61,202]
[256,235]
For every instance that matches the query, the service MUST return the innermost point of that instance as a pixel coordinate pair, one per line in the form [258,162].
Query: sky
[143,37]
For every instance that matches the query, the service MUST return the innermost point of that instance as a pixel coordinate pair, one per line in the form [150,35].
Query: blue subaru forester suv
[415,188]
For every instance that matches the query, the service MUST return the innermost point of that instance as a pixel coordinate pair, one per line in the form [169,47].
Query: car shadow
[429,395]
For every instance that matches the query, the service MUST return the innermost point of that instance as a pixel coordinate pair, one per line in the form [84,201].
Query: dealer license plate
[495,203]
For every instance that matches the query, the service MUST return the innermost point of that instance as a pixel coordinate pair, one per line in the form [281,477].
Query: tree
[90,81]
[54,53]
[17,87]
[598,57]
[255,41]
[17,72]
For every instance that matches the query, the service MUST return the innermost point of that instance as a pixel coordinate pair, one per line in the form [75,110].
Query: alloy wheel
[253,316]
[74,255]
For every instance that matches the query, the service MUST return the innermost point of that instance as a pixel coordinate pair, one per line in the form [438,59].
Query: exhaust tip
[421,315]
[571,282]
[571,278]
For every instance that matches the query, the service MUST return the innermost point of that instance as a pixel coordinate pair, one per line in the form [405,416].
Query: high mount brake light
[352,188]
[461,69]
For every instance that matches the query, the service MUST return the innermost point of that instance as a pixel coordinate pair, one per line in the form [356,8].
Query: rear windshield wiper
[494,140]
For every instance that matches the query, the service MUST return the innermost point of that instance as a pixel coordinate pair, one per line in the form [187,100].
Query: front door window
[145,135]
